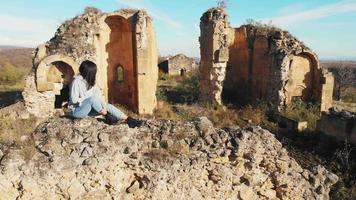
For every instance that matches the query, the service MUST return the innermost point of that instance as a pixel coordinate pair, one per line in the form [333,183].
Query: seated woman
[86,98]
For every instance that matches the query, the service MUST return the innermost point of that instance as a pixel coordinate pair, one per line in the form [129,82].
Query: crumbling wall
[71,44]
[177,65]
[264,63]
[75,37]
[147,70]
[339,124]
[85,37]
[214,43]
[237,78]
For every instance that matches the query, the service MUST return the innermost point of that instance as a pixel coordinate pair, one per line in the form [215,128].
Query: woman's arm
[75,92]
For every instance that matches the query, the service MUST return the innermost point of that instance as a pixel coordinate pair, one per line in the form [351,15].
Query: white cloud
[159,15]
[314,14]
[28,32]
[14,23]
[23,40]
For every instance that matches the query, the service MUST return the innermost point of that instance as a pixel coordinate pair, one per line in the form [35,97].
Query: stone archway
[304,79]
[47,66]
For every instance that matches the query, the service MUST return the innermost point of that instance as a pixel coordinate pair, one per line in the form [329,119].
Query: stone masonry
[87,159]
[339,124]
[177,65]
[258,62]
[214,43]
[122,42]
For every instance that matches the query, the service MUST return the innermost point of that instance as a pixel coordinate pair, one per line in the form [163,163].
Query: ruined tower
[257,62]
[121,43]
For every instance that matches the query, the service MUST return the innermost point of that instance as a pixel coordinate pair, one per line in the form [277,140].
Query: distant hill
[17,56]
[12,47]
[338,63]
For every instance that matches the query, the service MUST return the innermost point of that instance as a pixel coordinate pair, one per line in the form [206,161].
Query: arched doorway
[122,80]
[60,75]
[301,83]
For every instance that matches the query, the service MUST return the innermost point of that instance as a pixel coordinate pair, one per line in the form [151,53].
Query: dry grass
[20,57]
[12,78]
[178,100]
[18,133]
[165,111]
[350,95]
[126,110]
[220,116]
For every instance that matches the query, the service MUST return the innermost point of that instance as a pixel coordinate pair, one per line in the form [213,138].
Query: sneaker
[133,122]
[110,119]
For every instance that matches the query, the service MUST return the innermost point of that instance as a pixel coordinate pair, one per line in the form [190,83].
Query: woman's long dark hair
[88,70]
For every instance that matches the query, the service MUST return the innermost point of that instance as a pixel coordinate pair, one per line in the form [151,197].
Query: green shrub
[179,89]
[301,111]
[10,74]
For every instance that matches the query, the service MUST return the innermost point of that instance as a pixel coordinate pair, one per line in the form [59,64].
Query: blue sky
[327,26]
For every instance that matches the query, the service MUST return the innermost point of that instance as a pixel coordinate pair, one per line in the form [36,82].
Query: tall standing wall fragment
[214,43]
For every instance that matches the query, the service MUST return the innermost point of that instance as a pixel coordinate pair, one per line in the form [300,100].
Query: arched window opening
[120,74]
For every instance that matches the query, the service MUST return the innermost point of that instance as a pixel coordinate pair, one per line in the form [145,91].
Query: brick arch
[43,68]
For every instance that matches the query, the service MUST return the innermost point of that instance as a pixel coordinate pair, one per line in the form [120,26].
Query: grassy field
[15,64]
[11,84]
[178,100]
[17,56]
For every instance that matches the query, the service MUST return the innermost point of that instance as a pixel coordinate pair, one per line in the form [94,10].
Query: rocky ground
[87,159]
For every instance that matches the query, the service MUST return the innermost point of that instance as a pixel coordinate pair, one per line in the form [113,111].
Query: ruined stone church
[255,63]
[248,64]
[121,43]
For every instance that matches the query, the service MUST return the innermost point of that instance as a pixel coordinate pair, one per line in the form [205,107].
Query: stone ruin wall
[84,38]
[214,43]
[179,62]
[339,124]
[256,63]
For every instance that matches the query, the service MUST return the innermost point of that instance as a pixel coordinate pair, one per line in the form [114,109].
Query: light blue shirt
[79,92]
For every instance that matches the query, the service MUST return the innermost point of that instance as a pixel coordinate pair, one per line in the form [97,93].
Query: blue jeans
[93,106]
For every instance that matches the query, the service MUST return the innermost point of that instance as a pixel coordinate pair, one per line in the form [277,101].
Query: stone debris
[344,114]
[86,159]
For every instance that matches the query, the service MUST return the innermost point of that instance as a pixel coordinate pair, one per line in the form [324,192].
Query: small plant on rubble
[301,111]
[223,3]
[343,154]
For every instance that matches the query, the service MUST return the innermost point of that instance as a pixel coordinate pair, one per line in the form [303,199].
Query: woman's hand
[104,111]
